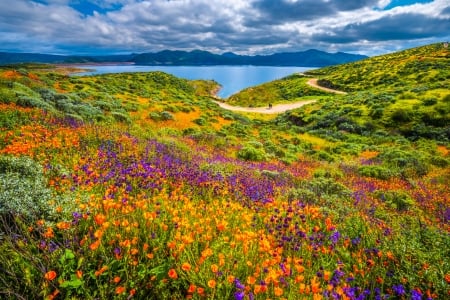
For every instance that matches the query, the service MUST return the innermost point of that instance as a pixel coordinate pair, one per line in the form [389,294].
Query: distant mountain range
[309,58]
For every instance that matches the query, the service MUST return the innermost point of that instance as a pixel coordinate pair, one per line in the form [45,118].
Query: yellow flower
[212,283]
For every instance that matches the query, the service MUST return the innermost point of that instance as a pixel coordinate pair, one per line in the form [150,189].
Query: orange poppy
[278,291]
[50,275]
[192,288]
[99,219]
[186,267]
[214,268]
[173,274]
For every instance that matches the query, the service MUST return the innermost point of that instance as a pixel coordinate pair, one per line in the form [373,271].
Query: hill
[310,58]
[139,186]
[402,93]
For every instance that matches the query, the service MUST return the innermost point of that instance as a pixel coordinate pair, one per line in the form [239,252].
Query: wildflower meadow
[135,207]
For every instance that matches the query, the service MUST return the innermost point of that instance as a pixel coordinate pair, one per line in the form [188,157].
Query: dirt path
[313,82]
[276,109]
[279,108]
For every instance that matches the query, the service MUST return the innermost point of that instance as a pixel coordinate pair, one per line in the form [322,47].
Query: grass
[333,200]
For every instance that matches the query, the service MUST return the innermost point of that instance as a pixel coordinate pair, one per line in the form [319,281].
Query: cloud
[406,26]
[251,27]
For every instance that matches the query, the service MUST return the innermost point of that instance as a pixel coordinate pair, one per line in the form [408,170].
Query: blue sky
[242,26]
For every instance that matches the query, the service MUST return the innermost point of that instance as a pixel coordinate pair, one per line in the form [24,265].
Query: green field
[139,186]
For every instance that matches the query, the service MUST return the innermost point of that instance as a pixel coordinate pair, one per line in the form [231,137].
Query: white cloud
[256,26]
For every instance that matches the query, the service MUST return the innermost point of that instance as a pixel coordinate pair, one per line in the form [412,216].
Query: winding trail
[276,109]
[279,108]
[313,82]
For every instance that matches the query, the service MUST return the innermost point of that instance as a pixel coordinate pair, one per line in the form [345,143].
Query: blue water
[231,78]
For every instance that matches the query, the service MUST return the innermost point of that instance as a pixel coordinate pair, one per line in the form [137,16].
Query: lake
[231,78]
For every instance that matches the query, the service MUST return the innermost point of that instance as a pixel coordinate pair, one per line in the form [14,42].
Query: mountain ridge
[308,58]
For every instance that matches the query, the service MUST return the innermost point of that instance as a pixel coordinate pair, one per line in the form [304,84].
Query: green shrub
[250,152]
[429,101]
[27,101]
[376,113]
[23,189]
[24,166]
[200,121]
[303,195]
[331,172]
[402,115]
[154,116]
[9,119]
[322,155]
[121,117]
[407,95]
[326,186]
[408,163]
[398,200]
[165,116]
[439,161]
[376,172]
[7,95]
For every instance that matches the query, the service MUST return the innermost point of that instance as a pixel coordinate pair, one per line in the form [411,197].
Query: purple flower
[117,251]
[335,237]
[238,284]
[399,289]
[350,292]
[52,246]
[416,295]
[239,295]
[356,241]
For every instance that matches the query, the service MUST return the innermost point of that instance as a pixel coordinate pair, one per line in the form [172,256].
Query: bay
[232,78]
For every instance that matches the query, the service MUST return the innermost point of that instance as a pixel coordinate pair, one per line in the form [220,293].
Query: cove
[232,78]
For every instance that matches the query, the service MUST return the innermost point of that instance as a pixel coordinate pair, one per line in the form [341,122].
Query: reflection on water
[232,78]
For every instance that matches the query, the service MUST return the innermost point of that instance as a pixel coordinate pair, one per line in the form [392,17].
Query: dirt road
[279,108]
[313,82]
[276,109]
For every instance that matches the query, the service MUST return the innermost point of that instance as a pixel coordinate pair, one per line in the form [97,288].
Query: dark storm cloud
[397,27]
[280,11]
[276,11]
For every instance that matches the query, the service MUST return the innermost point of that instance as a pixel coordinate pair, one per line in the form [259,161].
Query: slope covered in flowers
[141,206]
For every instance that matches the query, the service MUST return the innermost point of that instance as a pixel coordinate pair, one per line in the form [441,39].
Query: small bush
[10,119]
[303,195]
[376,113]
[429,101]
[375,172]
[23,189]
[121,117]
[250,152]
[402,115]
[200,121]
[398,200]
[165,116]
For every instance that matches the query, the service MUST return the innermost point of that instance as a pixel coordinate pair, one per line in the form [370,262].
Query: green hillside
[289,89]
[140,186]
[422,69]
[404,93]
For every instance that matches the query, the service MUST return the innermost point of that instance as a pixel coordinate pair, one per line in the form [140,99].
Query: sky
[100,27]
